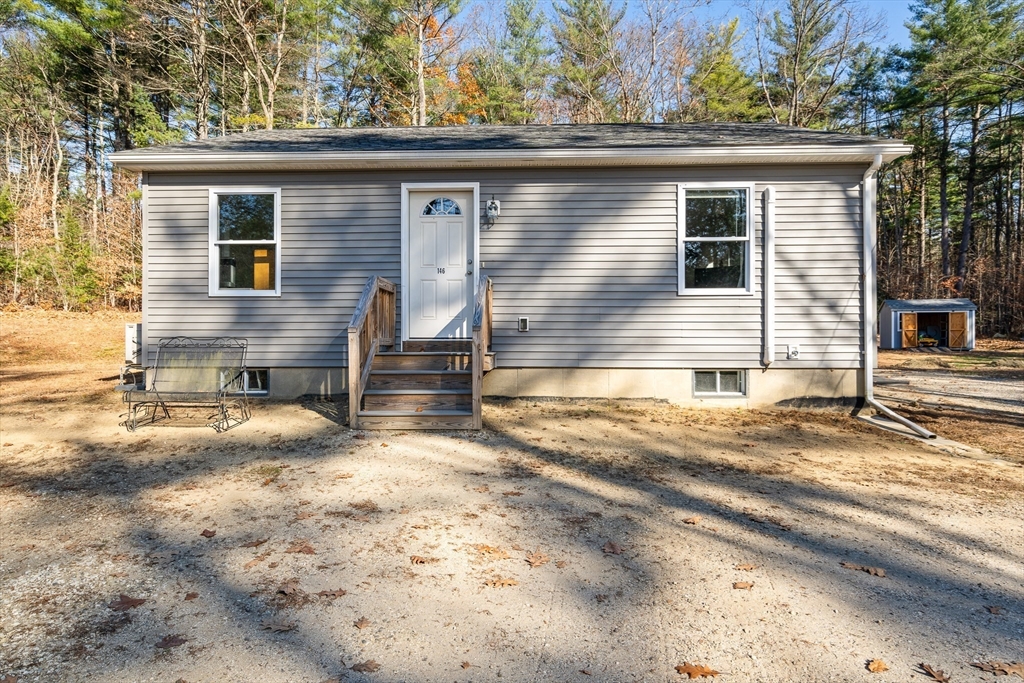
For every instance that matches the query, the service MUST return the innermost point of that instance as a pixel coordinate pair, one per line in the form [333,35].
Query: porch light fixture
[493,208]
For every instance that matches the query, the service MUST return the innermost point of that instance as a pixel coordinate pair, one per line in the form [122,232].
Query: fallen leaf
[874,571]
[1001,668]
[499,582]
[419,409]
[695,670]
[303,547]
[125,603]
[255,544]
[255,561]
[612,548]
[483,489]
[278,625]
[362,623]
[692,520]
[877,666]
[601,597]
[936,674]
[492,552]
[585,672]
[417,559]
[743,585]
[208,533]
[561,564]
[383,445]
[746,567]
[305,515]
[367,667]
[512,493]
[365,506]
[288,587]
[537,559]
[171,641]
[332,593]
[191,596]
[9,679]
[466,665]
[994,609]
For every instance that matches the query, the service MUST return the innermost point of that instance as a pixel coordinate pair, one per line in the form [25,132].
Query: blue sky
[894,14]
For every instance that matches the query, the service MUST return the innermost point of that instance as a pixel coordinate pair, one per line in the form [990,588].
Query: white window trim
[718,384]
[214,265]
[681,239]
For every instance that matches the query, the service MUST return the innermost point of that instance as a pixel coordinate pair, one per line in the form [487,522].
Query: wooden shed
[910,323]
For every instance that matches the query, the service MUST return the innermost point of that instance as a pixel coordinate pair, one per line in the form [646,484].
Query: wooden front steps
[428,385]
[435,384]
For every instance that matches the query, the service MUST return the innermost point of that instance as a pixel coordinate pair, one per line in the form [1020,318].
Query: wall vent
[524,324]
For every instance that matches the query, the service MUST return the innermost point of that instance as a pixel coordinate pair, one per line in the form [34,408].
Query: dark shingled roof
[490,138]
[931,305]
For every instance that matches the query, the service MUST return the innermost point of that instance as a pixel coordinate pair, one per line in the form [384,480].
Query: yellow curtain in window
[261,269]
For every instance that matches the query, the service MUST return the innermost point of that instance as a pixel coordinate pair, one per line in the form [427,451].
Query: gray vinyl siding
[589,255]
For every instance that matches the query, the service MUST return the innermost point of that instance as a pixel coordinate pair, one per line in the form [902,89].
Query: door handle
[469,272]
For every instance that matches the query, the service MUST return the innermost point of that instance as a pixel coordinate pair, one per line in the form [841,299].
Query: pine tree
[720,90]
[585,36]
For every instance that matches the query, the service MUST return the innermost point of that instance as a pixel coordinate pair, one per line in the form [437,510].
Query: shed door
[909,330]
[440,270]
[957,330]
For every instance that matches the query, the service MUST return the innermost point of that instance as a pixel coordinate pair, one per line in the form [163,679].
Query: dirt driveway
[976,398]
[566,541]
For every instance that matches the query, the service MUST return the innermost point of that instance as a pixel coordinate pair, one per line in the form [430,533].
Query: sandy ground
[566,541]
[976,398]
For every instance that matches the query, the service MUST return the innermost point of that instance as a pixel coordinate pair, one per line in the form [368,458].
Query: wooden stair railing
[482,312]
[372,326]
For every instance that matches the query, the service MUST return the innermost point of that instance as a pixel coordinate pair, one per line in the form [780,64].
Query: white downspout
[768,255]
[869,193]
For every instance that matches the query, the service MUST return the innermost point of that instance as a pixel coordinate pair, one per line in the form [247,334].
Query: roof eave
[681,156]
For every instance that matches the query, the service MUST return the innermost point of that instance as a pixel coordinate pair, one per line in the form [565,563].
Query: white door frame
[474,222]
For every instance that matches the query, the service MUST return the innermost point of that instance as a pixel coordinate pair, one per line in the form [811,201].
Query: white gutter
[768,256]
[154,159]
[869,193]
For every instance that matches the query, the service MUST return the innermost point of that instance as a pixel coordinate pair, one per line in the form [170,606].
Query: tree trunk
[421,83]
[944,189]
[969,190]
[922,236]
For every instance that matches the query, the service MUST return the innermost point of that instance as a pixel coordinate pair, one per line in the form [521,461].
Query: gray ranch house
[417,270]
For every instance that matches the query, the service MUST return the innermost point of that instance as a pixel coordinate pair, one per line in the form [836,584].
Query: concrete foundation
[287,383]
[764,387]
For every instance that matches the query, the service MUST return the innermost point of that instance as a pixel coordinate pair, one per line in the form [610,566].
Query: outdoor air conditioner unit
[133,344]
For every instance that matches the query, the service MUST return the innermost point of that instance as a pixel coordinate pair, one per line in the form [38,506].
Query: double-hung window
[245,235]
[716,226]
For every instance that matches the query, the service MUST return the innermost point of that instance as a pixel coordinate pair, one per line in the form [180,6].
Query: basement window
[257,381]
[719,383]
[245,229]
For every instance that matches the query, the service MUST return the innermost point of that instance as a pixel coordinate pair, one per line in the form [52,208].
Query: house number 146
[440,271]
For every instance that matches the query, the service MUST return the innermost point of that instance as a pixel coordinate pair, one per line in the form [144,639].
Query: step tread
[414,413]
[420,372]
[424,353]
[418,392]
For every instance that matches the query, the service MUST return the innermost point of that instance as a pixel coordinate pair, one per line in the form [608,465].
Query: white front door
[440,264]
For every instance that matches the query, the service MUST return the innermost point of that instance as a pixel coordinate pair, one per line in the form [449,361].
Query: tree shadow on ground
[753,505]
